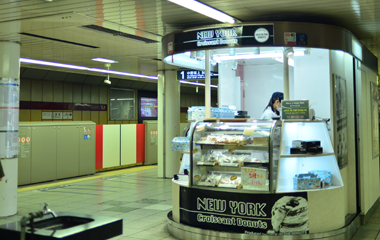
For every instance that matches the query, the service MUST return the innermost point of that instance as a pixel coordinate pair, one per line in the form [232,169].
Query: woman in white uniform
[273,109]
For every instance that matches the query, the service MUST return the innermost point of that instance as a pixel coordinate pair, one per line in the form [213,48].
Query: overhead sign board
[194,75]
[225,37]
[295,109]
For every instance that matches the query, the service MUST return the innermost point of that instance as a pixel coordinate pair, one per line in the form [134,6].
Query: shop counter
[244,178]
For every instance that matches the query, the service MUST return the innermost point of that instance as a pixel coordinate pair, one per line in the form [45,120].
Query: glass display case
[235,154]
[307,159]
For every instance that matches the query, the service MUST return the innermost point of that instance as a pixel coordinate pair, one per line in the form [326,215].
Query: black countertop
[99,229]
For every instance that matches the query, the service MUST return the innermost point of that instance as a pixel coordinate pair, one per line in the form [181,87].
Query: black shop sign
[255,35]
[252,214]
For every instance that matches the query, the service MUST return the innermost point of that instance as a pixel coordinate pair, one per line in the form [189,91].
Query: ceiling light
[204,9]
[288,51]
[246,56]
[197,84]
[105,60]
[53,64]
[121,73]
[63,65]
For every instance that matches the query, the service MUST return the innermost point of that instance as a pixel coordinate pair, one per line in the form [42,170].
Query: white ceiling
[65,40]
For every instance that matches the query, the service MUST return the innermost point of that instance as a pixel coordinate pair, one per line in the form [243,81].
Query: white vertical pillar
[208,83]
[161,123]
[9,118]
[168,122]
[286,77]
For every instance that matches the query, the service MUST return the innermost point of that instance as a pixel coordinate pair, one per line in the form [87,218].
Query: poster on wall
[375,119]
[340,108]
[251,214]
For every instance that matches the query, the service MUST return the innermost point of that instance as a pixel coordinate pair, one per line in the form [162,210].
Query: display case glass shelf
[302,172]
[236,155]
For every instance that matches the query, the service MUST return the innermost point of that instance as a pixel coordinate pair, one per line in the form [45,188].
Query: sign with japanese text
[295,109]
[253,177]
[194,75]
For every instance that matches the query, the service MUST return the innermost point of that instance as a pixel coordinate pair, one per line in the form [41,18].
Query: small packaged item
[310,144]
[306,181]
[211,180]
[324,176]
[181,144]
[230,180]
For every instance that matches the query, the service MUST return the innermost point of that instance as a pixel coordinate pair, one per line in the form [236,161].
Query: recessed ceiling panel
[56,76]
[124,83]
[34,73]
[138,85]
[73,77]
[94,79]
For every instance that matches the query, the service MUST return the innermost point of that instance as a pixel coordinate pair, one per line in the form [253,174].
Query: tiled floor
[371,230]
[136,195]
[140,198]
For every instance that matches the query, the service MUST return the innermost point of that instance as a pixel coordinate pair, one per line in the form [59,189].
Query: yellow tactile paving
[95,176]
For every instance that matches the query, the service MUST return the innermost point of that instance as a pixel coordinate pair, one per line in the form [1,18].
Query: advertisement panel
[252,214]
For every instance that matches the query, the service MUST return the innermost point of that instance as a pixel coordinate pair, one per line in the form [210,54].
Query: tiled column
[9,118]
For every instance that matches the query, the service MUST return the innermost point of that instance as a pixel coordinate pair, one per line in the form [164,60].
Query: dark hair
[275,96]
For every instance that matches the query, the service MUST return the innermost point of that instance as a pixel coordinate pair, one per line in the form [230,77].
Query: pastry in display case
[234,154]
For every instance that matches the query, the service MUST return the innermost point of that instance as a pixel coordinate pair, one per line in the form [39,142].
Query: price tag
[253,177]
[232,149]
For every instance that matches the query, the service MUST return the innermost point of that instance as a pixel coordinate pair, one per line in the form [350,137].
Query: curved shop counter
[256,187]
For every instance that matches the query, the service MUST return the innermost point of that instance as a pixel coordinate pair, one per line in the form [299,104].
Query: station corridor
[136,195]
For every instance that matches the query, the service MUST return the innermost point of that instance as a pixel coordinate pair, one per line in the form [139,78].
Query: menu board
[253,177]
[295,109]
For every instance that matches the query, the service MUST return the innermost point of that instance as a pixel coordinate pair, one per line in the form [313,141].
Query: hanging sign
[247,213]
[194,75]
[225,36]
[295,109]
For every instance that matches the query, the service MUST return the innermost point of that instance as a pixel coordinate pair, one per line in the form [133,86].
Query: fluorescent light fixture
[281,60]
[197,84]
[204,9]
[105,60]
[63,65]
[246,56]
[121,73]
[53,64]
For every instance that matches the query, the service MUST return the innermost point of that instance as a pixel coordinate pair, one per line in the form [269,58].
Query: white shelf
[305,155]
[282,189]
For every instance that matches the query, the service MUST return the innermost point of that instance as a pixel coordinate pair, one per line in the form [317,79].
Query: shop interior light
[288,51]
[197,84]
[63,65]
[53,64]
[105,60]
[281,60]
[232,52]
[200,55]
[204,9]
[193,54]
[246,56]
